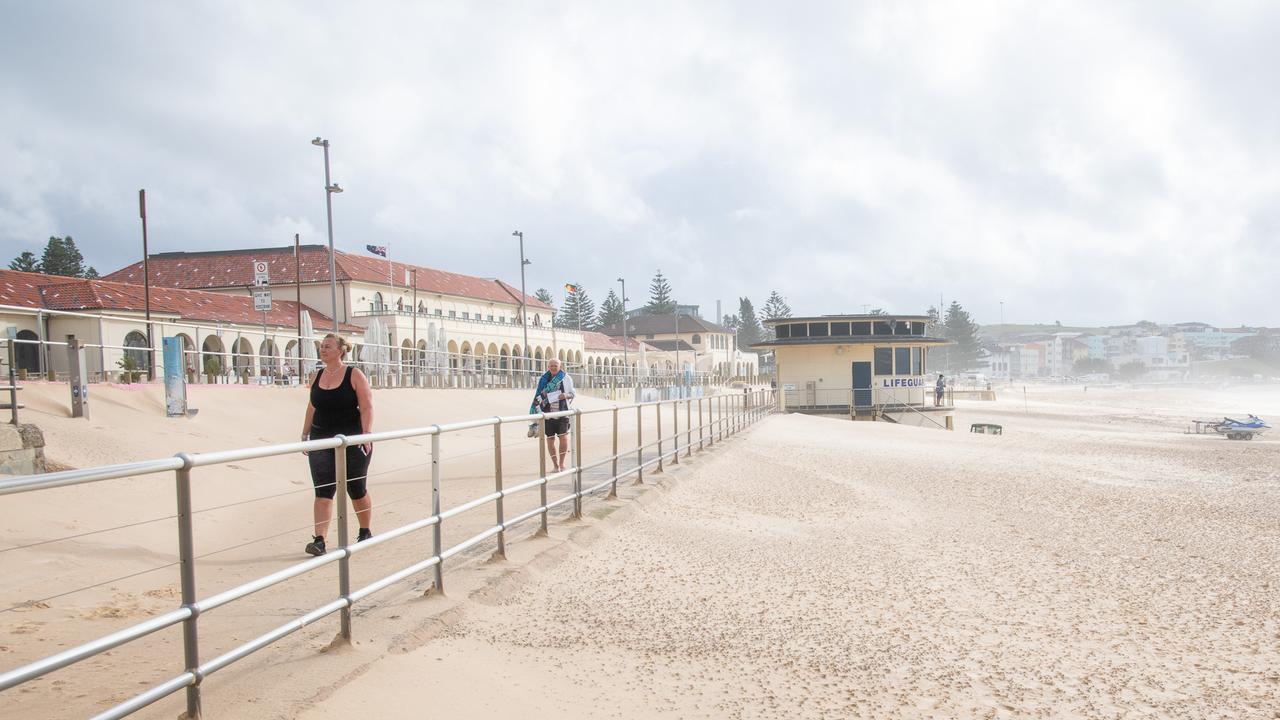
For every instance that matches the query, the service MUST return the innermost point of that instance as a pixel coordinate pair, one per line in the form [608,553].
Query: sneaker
[365,534]
[316,546]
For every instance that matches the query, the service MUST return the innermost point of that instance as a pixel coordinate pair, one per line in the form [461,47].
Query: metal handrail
[726,415]
[880,408]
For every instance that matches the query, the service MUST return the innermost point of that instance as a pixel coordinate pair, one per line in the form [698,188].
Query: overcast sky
[1084,162]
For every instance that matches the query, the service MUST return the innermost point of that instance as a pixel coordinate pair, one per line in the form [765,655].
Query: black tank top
[337,410]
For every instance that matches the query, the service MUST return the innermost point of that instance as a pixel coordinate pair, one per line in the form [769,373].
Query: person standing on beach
[938,390]
[341,404]
[555,390]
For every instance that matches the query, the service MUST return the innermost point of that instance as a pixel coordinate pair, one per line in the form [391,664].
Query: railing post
[675,432]
[613,489]
[436,530]
[497,486]
[688,427]
[187,572]
[13,379]
[639,445]
[344,562]
[542,473]
[577,464]
[700,424]
[657,416]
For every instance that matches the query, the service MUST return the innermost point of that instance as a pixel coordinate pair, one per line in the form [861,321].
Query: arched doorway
[211,362]
[242,357]
[268,358]
[26,355]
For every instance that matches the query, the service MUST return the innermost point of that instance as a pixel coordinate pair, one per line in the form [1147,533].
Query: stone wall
[21,450]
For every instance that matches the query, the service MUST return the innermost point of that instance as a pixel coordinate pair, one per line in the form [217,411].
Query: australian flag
[377,249]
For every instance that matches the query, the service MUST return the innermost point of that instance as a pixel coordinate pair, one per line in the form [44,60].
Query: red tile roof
[74,294]
[21,288]
[234,268]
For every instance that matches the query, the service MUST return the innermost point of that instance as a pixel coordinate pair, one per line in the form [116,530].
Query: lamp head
[334,188]
[319,143]
[527,261]
[517,233]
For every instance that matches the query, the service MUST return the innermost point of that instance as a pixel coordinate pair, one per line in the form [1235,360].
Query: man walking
[555,390]
[938,390]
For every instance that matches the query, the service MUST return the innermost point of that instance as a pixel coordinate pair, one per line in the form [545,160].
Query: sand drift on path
[821,568]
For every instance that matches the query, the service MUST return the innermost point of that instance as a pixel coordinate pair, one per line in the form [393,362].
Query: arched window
[377,302]
[140,356]
[697,339]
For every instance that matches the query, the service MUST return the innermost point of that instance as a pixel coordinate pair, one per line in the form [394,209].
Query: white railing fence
[694,422]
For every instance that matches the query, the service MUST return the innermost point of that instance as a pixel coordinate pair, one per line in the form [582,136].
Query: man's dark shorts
[556,426]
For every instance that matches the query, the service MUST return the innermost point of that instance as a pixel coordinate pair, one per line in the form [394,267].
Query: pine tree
[660,301]
[91,273]
[963,331]
[542,295]
[610,311]
[776,307]
[61,257]
[749,331]
[578,311]
[26,262]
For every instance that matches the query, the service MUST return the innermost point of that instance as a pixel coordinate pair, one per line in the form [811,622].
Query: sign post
[262,303]
[77,372]
[262,296]
[175,381]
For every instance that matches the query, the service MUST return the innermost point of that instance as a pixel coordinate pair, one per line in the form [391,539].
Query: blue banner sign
[175,383]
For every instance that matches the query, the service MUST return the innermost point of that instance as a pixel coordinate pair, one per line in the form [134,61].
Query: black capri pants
[324,472]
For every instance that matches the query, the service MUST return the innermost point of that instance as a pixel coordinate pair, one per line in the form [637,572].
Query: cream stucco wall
[830,368]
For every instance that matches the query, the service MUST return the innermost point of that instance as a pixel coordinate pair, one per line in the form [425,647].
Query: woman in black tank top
[341,404]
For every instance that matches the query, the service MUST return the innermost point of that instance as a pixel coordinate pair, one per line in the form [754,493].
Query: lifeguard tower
[868,367]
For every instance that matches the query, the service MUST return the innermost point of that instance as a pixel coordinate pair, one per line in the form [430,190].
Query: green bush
[130,372]
[212,366]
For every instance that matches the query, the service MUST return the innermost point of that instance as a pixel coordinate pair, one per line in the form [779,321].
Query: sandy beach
[1094,561]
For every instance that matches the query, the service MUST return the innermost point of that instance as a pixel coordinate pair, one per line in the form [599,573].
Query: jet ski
[1241,429]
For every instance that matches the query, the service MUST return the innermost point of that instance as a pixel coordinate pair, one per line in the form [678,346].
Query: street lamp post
[414,309]
[524,313]
[329,189]
[625,366]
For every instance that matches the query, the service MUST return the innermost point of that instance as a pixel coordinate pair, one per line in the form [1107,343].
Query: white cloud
[1081,162]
